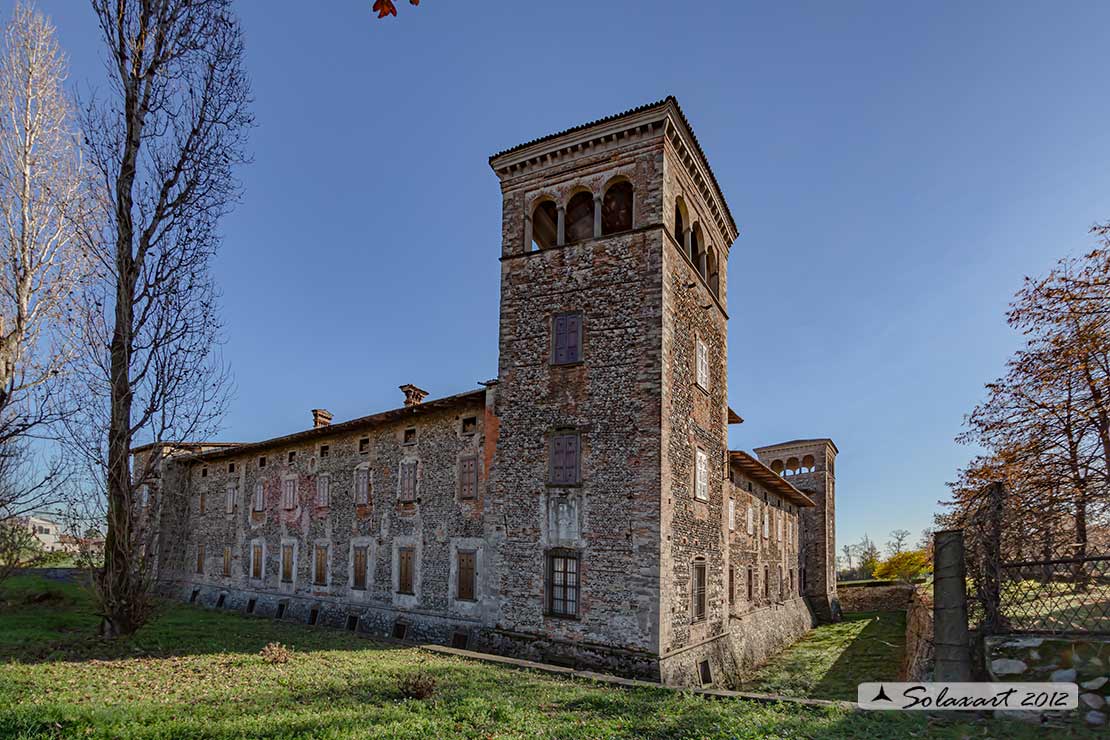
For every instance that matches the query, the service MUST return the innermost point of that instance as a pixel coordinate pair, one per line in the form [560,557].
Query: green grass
[833,659]
[193,673]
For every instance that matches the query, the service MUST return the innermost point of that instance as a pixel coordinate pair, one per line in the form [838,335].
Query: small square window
[470,425]
[324,450]
[410,436]
[262,462]
[231,467]
[364,444]
[292,457]
[204,472]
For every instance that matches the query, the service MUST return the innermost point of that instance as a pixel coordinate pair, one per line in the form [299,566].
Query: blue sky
[895,169]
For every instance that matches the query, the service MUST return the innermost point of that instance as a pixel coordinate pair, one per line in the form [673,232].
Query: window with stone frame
[566,464]
[358,567]
[767,582]
[468,477]
[778,525]
[698,594]
[701,475]
[751,584]
[320,566]
[731,515]
[731,585]
[362,486]
[406,566]
[751,518]
[566,338]
[229,498]
[782,585]
[470,425]
[467,574]
[227,561]
[288,493]
[563,583]
[200,559]
[256,560]
[702,358]
[766,524]
[259,503]
[408,481]
[286,563]
[323,490]
[791,580]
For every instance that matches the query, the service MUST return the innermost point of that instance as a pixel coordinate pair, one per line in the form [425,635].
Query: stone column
[687,237]
[562,238]
[950,635]
[597,216]
[527,233]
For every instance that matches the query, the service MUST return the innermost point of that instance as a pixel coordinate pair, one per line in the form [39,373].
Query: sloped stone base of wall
[751,640]
[577,655]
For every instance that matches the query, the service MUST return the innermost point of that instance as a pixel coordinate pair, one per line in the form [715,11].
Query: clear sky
[895,170]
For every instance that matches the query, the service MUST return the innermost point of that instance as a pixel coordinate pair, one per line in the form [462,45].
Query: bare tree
[897,542]
[164,144]
[44,212]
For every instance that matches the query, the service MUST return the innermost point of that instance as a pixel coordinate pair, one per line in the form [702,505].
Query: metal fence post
[950,633]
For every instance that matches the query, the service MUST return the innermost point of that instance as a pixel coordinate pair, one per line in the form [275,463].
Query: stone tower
[810,465]
[612,390]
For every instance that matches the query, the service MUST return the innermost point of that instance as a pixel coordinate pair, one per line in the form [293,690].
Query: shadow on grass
[874,655]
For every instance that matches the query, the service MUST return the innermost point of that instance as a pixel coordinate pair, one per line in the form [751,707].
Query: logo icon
[881,696]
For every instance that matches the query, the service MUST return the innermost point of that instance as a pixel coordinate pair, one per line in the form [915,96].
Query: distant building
[47,532]
[583,508]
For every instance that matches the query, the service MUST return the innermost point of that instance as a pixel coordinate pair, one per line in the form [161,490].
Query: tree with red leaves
[386,7]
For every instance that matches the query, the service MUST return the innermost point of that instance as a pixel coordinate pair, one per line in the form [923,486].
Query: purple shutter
[570,460]
[557,464]
[572,323]
[560,339]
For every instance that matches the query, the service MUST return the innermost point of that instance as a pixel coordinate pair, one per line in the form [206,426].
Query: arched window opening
[809,465]
[580,217]
[714,269]
[616,209]
[776,466]
[679,223]
[792,466]
[545,226]
[697,251]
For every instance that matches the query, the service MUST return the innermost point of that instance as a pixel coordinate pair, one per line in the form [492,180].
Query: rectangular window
[289,493]
[286,563]
[204,472]
[323,490]
[200,559]
[701,476]
[410,436]
[203,502]
[362,486]
[791,580]
[259,497]
[766,525]
[751,519]
[408,482]
[405,567]
[703,365]
[731,585]
[731,515]
[325,450]
[466,575]
[782,586]
[320,566]
[227,561]
[364,445]
[751,584]
[565,459]
[778,526]
[566,345]
[766,582]
[292,456]
[256,561]
[229,500]
[562,584]
[359,568]
[468,477]
[697,592]
[470,425]
[262,462]
[231,467]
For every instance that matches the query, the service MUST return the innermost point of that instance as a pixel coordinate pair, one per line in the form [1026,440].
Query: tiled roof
[753,468]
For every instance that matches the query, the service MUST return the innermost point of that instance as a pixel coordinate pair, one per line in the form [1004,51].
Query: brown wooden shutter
[200,559]
[558,455]
[227,560]
[466,575]
[468,477]
[256,562]
[321,565]
[287,563]
[405,570]
[360,568]
[408,482]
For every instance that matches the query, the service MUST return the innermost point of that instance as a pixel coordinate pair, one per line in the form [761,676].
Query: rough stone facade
[870,598]
[607,522]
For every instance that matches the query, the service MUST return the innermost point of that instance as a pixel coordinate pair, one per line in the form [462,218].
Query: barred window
[697,591]
[562,583]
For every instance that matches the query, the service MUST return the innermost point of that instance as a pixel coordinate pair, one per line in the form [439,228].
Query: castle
[582,508]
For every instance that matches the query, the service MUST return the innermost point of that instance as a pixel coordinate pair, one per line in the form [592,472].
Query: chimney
[320,418]
[413,395]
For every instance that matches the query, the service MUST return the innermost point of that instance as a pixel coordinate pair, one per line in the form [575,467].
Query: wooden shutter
[408,482]
[466,574]
[565,459]
[200,559]
[404,570]
[287,563]
[468,477]
[560,340]
[558,454]
[321,565]
[731,585]
[256,561]
[227,560]
[360,568]
[751,584]
[574,323]
[202,501]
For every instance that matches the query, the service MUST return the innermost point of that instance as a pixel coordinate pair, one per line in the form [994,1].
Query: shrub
[417,685]
[275,652]
[904,566]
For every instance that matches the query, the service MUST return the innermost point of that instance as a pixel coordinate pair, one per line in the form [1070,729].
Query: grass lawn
[197,674]
[834,658]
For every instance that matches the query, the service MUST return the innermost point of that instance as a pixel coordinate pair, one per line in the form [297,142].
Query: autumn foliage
[386,7]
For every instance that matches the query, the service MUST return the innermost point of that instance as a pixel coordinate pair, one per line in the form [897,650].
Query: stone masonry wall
[895,597]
